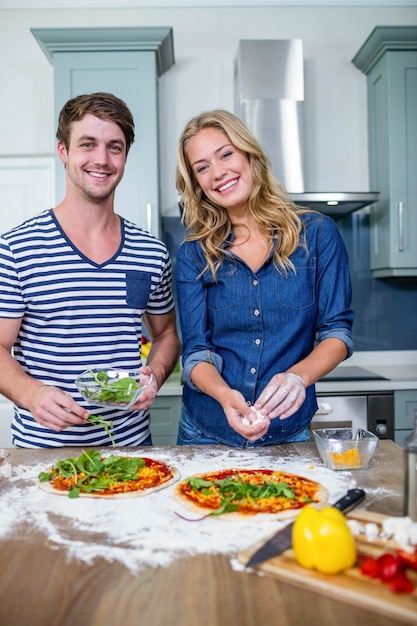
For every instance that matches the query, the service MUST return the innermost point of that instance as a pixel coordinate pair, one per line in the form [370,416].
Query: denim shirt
[253,325]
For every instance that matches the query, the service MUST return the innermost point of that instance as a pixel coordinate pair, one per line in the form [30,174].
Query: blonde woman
[263,289]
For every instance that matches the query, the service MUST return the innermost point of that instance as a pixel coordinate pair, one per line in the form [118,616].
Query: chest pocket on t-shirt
[138,289]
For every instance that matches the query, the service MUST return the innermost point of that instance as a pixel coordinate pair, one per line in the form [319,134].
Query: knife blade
[282,540]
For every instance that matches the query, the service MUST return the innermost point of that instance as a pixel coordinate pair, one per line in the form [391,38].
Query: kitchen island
[128,562]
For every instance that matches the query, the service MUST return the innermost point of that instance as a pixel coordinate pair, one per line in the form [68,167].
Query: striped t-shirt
[78,314]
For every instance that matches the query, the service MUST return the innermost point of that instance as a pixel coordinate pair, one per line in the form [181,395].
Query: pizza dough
[302,486]
[172,477]
[258,419]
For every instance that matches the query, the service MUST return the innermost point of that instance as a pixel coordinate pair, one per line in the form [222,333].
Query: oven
[372,410]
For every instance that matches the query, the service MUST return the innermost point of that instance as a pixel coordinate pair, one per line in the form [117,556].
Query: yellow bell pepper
[145,349]
[322,540]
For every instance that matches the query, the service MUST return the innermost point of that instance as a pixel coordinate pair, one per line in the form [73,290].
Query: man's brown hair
[103,105]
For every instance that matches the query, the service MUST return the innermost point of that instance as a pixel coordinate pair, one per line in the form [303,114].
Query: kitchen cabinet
[26,188]
[165,415]
[405,407]
[126,62]
[389,59]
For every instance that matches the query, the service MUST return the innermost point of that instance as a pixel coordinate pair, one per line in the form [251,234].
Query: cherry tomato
[408,559]
[370,567]
[389,567]
[401,584]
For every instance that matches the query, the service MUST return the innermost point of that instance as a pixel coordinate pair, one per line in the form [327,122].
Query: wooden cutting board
[350,586]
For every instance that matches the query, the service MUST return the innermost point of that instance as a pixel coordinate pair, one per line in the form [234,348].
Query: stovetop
[351,373]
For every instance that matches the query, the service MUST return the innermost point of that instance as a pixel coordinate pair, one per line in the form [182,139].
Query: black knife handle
[350,500]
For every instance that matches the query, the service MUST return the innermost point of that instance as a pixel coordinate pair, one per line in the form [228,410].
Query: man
[76,284]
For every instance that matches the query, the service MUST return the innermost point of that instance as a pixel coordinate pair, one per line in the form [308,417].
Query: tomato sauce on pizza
[113,476]
[241,493]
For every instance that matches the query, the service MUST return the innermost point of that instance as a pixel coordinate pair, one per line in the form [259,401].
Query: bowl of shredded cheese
[345,448]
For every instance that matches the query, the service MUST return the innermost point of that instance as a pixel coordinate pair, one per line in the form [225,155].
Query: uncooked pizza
[95,476]
[248,494]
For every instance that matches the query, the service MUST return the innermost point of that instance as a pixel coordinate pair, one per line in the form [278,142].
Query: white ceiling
[72,4]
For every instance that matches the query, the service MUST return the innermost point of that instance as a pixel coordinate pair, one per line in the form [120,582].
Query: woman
[263,291]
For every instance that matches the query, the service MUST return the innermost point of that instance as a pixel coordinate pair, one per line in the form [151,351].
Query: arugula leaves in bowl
[112,387]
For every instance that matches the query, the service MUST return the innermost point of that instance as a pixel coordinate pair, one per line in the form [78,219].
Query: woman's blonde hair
[269,203]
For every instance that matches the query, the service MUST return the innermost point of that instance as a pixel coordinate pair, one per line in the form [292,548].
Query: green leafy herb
[120,391]
[234,491]
[107,425]
[90,472]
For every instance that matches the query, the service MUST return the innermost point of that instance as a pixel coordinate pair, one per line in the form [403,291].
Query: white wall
[205,44]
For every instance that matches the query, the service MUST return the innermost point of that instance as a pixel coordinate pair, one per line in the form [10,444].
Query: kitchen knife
[282,540]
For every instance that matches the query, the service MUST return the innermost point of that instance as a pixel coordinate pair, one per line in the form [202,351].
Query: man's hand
[55,409]
[147,398]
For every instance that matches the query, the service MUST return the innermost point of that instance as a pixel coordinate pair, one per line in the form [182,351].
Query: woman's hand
[282,396]
[243,419]
[207,378]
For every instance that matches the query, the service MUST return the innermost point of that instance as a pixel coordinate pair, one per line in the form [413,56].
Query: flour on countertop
[146,531]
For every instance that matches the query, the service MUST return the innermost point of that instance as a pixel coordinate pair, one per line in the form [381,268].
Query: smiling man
[76,284]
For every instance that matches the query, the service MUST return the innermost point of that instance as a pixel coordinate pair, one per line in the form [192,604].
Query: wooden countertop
[42,584]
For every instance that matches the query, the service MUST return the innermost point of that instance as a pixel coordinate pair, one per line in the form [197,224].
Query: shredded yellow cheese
[350,458]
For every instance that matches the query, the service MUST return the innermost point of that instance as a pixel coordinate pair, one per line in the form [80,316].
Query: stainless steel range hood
[269,98]
[335,204]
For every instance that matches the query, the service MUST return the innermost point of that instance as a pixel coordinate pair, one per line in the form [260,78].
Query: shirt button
[257,342]
[257,312]
[255,282]
[253,370]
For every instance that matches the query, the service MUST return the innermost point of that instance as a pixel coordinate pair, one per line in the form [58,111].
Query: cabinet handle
[324,409]
[401,227]
[149,217]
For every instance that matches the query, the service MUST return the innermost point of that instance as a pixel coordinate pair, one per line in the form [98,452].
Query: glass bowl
[110,387]
[345,448]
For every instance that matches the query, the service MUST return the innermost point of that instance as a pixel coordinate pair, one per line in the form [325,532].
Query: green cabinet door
[392,101]
[132,77]
[405,408]
[389,59]
[126,61]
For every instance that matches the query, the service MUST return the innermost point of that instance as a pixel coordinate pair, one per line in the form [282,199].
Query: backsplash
[385,308]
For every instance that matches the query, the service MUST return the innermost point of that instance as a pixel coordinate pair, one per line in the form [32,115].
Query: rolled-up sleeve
[202,356]
[343,334]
